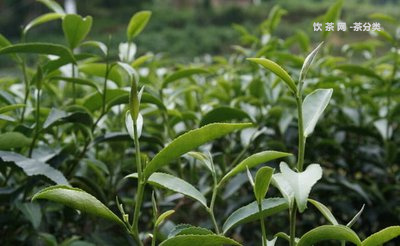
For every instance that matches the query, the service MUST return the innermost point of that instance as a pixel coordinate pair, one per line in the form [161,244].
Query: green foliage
[88,114]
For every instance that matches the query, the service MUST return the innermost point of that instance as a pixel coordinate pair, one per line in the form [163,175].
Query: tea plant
[109,130]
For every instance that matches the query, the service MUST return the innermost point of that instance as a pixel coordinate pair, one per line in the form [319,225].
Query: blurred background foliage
[183,29]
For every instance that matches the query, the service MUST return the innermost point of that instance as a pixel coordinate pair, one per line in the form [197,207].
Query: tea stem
[140,189]
[37,117]
[211,208]
[293,225]
[263,231]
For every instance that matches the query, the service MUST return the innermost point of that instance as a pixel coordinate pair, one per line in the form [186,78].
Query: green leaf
[329,232]
[324,211]
[99,70]
[294,185]
[332,15]
[190,141]
[10,108]
[199,240]
[308,61]
[182,73]
[76,28]
[129,124]
[163,216]
[203,158]
[101,46]
[40,48]
[78,81]
[32,167]
[251,212]
[77,199]
[384,17]
[189,230]
[356,217]
[357,69]
[137,23]
[223,114]
[41,20]
[175,184]
[276,69]
[10,140]
[261,184]
[252,161]
[57,117]
[53,5]
[382,236]
[140,60]
[313,106]
[31,212]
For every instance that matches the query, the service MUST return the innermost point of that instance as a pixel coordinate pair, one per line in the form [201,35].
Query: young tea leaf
[129,124]
[356,217]
[41,20]
[313,106]
[252,161]
[294,185]
[163,216]
[183,73]
[190,141]
[276,69]
[251,212]
[324,211]
[308,61]
[76,28]
[175,184]
[329,232]
[77,199]
[53,5]
[382,236]
[261,184]
[137,24]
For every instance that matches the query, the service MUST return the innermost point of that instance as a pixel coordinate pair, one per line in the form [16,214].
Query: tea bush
[146,152]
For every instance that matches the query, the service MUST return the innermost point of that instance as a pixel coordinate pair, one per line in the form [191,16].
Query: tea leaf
[276,69]
[329,232]
[129,124]
[32,167]
[324,211]
[99,70]
[79,81]
[41,20]
[53,5]
[308,61]
[203,158]
[163,216]
[189,230]
[57,117]
[251,212]
[40,48]
[356,217]
[183,73]
[263,179]
[313,106]
[190,141]
[77,199]
[223,114]
[10,140]
[252,161]
[294,185]
[175,184]
[7,108]
[199,240]
[76,28]
[357,69]
[382,236]
[137,24]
